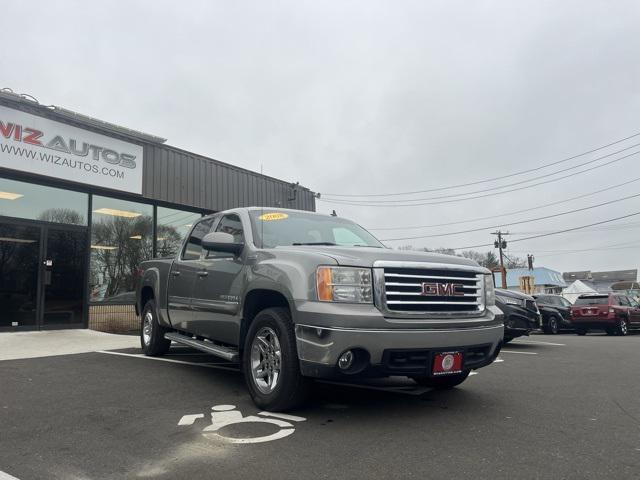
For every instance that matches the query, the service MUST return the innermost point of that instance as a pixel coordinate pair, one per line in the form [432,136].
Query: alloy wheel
[147,328]
[266,360]
[623,327]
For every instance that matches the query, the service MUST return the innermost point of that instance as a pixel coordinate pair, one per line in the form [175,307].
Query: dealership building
[83,202]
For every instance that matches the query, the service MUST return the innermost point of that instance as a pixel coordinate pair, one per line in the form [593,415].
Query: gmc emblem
[436,289]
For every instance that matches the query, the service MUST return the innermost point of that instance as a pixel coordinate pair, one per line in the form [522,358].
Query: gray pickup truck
[294,295]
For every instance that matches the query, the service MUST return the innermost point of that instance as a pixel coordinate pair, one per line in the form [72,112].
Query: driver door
[219,287]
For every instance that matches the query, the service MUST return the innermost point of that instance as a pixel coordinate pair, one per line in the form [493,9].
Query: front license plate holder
[447,363]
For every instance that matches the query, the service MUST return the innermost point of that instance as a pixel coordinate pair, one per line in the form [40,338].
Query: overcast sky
[368,97]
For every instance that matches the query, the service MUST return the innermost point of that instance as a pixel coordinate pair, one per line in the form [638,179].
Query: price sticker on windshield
[268,217]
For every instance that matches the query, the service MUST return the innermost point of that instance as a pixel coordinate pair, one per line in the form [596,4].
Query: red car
[614,313]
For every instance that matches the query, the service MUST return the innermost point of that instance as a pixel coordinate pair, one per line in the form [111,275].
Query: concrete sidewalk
[16,345]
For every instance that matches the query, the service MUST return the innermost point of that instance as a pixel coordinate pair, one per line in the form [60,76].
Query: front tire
[152,333]
[270,362]
[581,331]
[442,383]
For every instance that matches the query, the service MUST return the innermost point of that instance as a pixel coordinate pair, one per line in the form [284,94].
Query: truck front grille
[433,290]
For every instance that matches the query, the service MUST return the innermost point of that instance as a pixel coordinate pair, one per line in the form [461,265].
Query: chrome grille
[422,289]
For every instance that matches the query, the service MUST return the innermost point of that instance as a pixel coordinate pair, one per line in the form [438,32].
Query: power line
[552,233]
[489,179]
[613,246]
[503,186]
[514,223]
[622,226]
[340,202]
[537,207]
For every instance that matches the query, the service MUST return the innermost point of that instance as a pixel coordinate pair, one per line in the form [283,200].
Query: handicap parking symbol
[225,415]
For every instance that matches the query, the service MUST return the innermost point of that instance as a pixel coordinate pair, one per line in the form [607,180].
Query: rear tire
[152,333]
[552,326]
[442,383]
[581,331]
[610,331]
[270,362]
[623,327]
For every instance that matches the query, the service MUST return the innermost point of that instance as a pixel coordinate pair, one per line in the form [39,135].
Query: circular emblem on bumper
[447,362]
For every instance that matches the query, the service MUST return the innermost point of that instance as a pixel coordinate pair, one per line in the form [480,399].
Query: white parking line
[283,416]
[168,360]
[6,476]
[533,342]
[521,353]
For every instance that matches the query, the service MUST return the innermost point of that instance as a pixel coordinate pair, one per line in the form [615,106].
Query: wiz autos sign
[37,145]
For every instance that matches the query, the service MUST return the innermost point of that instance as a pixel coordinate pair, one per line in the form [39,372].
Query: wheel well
[255,302]
[145,295]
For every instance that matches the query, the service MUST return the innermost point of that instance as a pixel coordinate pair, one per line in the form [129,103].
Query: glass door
[64,276]
[42,275]
[20,249]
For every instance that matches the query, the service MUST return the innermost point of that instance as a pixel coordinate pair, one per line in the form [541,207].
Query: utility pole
[501,244]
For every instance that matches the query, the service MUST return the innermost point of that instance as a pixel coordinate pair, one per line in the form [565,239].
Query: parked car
[521,314]
[614,313]
[294,295]
[555,311]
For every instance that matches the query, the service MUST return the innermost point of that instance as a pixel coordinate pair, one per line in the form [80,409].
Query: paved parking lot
[553,407]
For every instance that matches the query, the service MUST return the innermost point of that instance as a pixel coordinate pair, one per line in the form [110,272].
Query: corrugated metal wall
[185,179]
[179,177]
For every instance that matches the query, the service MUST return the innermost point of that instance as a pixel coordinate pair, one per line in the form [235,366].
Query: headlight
[344,284]
[509,300]
[489,291]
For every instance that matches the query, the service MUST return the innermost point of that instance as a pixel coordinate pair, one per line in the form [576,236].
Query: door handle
[175,273]
[203,273]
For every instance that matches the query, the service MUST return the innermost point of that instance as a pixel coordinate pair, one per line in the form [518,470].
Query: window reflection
[121,238]
[34,202]
[173,226]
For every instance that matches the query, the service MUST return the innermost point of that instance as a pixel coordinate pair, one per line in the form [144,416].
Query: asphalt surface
[570,410]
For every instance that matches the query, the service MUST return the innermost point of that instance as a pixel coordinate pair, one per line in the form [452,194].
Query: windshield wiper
[330,244]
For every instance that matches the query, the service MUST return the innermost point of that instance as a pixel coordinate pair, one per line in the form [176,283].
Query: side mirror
[221,242]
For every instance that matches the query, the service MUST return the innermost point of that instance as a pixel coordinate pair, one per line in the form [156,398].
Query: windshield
[601,300]
[273,228]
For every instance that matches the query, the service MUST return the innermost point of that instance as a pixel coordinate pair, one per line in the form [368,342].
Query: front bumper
[519,321]
[393,351]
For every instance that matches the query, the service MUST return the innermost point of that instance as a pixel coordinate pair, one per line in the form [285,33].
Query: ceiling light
[136,237]
[16,240]
[189,225]
[103,247]
[117,213]
[161,239]
[10,196]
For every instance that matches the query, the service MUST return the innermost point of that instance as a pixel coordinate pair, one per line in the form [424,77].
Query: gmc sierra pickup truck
[293,295]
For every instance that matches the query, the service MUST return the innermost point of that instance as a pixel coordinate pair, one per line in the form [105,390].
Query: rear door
[635,312]
[631,310]
[219,287]
[182,277]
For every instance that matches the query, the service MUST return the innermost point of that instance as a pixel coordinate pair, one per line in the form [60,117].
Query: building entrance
[42,275]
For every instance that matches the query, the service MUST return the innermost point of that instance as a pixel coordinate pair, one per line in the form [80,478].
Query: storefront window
[35,202]
[173,226]
[121,238]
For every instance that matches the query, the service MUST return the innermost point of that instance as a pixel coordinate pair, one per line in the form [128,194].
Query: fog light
[346,360]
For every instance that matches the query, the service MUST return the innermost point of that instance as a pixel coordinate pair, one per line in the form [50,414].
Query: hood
[512,294]
[365,256]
